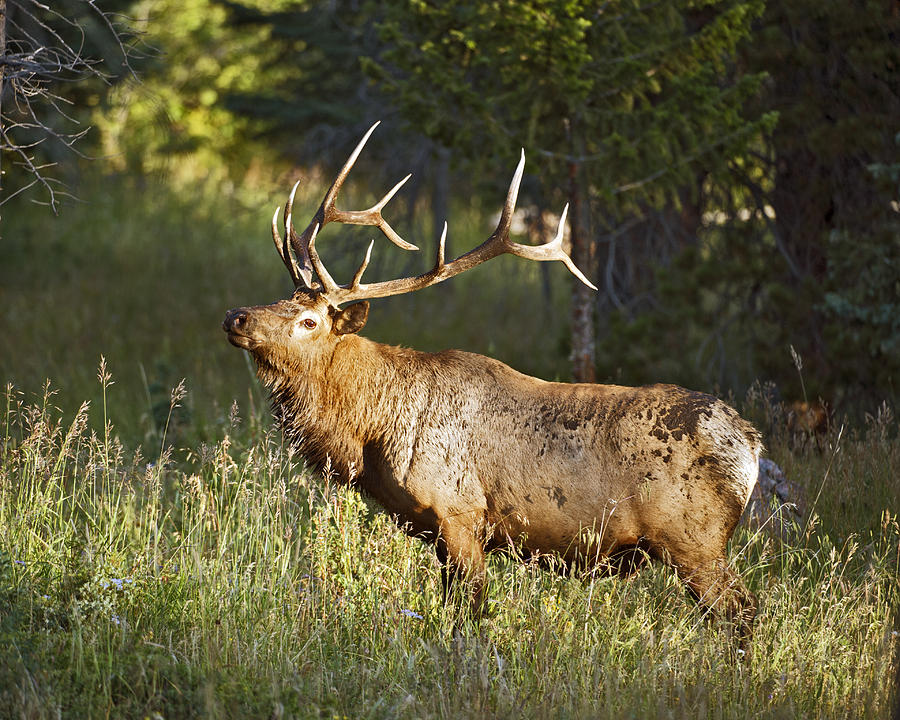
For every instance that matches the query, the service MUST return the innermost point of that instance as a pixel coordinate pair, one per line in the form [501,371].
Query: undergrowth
[225,580]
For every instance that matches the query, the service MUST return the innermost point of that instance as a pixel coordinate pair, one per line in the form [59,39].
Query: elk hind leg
[718,588]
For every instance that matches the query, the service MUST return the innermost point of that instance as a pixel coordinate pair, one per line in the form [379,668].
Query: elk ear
[351,319]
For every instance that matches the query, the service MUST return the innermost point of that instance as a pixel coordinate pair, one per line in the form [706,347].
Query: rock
[775,502]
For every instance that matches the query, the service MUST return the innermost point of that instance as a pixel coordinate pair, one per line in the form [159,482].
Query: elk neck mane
[330,406]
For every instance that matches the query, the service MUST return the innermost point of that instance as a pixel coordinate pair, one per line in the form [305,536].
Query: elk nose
[235,320]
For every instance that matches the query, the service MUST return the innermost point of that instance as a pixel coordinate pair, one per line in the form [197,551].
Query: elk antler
[497,244]
[307,259]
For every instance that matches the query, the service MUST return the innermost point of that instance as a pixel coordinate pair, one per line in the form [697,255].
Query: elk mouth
[242,341]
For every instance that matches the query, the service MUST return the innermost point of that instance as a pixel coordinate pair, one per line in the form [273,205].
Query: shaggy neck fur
[331,405]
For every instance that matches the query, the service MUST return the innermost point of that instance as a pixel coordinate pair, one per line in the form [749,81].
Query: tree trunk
[583,363]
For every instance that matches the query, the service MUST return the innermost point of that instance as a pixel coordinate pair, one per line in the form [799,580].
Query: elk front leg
[461,553]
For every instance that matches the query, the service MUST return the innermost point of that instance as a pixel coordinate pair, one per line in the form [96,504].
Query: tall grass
[226,581]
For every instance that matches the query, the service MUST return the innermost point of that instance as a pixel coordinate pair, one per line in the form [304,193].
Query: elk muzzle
[237,323]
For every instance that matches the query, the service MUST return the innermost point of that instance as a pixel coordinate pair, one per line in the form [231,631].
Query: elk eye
[309,324]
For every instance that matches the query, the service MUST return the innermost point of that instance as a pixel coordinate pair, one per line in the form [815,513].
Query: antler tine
[371,216]
[383,224]
[299,275]
[552,250]
[329,286]
[331,195]
[509,207]
[302,273]
[555,248]
[354,284]
[442,246]
[279,245]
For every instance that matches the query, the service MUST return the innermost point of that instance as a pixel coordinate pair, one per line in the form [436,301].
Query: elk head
[287,335]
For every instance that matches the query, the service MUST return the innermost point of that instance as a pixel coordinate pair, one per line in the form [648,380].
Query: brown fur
[468,453]
[807,420]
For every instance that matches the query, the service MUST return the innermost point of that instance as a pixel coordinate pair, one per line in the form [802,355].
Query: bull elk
[473,456]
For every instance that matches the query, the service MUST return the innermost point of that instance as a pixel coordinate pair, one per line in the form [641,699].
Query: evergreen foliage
[175,121]
[833,71]
[630,101]
[640,95]
[863,316]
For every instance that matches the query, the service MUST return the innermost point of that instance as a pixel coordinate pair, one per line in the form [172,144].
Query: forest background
[732,170]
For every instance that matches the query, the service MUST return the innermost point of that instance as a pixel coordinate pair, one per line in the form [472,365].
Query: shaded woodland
[732,168]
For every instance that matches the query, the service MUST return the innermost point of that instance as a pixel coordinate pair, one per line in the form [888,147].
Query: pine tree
[624,103]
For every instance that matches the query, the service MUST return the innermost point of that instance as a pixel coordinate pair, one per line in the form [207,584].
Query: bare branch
[46,46]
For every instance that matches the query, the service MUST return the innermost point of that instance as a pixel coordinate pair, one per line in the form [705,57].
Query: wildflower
[118,582]
[411,614]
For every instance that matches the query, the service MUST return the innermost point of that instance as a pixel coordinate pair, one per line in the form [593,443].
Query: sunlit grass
[225,580]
